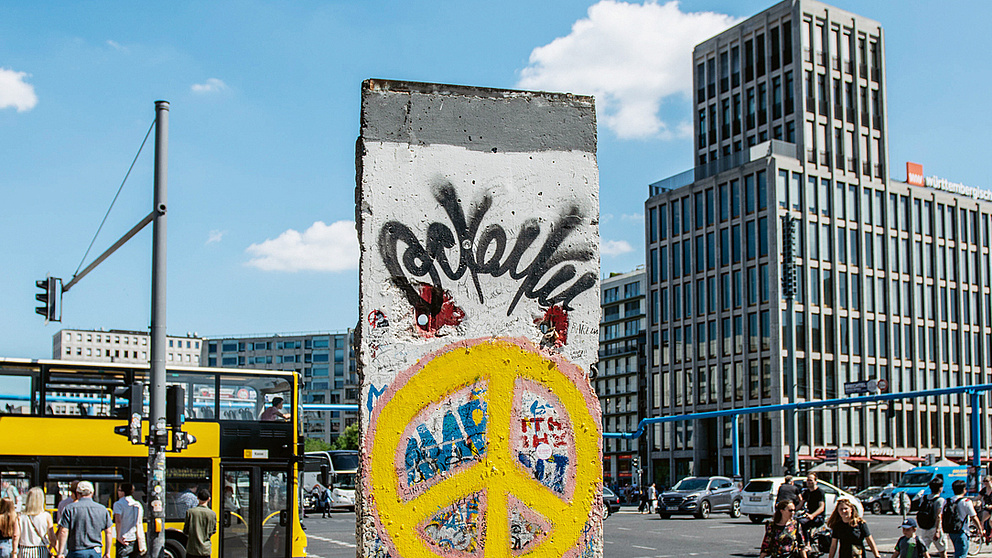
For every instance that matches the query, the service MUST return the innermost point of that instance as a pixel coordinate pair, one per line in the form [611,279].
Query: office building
[893,278]
[620,380]
[126,347]
[325,362]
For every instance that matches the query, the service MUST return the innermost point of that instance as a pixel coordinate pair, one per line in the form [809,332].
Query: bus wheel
[173,549]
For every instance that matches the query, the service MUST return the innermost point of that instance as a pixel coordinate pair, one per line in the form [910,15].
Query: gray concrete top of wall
[477,118]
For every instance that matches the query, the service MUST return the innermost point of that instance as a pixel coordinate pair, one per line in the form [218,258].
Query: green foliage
[348,440]
[316,444]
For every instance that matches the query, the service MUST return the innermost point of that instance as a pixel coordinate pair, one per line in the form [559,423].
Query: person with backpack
[909,545]
[849,533]
[957,513]
[928,518]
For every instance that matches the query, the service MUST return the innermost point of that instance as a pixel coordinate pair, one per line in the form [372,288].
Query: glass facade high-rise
[893,278]
[325,361]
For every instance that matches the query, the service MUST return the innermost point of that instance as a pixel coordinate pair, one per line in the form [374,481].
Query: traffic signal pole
[158,435]
[789,291]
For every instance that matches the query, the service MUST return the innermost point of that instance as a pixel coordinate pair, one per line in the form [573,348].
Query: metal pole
[789,268]
[735,443]
[158,436]
[976,438]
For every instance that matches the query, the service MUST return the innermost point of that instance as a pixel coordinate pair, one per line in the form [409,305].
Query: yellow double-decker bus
[57,422]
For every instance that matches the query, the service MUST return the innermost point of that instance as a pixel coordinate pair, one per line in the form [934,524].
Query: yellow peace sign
[499,364]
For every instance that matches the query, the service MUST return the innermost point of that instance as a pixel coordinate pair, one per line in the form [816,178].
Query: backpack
[950,519]
[929,510]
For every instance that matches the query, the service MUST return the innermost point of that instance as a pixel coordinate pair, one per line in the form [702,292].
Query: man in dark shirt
[788,491]
[815,502]
[82,524]
[201,524]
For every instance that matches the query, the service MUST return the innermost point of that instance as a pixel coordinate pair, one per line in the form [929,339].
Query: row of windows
[709,298]
[822,39]
[705,206]
[672,349]
[779,53]
[241,346]
[735,118]
[630,290]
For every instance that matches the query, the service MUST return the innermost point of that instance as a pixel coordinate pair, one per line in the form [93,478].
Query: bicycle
[975,540]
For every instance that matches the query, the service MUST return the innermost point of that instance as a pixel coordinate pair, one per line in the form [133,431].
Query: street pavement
[627,534]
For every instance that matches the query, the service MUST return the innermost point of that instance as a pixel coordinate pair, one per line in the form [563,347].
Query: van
[336,469]
[915,481]
[758,497]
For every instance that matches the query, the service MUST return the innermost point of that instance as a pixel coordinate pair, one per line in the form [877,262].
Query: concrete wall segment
[480,309]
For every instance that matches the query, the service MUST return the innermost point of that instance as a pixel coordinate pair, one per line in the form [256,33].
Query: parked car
[867,494]
[882,502]
[611,502]
[758,497]
[701,496]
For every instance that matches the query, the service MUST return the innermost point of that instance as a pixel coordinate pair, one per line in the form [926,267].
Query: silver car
[701,496]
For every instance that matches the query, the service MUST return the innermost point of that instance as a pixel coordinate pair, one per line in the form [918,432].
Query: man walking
[958,512]
[82,524]
[928,518]
[788,491]
[815,502]
[128,523]
[653,498]
[200,525]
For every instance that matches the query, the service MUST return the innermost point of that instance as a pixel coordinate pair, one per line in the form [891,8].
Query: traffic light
[175,406]
[182,440]
[788,464]
[890,411]
[51,297]
[133,397]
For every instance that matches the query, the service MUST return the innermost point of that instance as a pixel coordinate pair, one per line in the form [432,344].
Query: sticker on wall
[485,447]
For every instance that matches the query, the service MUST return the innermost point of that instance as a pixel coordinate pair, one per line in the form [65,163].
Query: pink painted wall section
[478,219]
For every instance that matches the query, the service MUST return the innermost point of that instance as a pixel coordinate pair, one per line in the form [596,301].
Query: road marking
[624,529]
[643,547]
[332,541]
[722,526]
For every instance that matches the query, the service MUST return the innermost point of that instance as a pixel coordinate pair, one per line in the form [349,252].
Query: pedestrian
[815,504]
[642,496]
[82,524]
[129,523]
[70,498]
[849,532]
[653,498]
[186,500]
[986,503]
[957,513]
[784,537]
[37,527]
[200,525]
[325,502]
[788,491]
[909,545]
[10,528]
[928,518]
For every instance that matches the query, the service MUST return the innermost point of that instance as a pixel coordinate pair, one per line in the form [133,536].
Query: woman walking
[37,529]
[783,537]
[10,528]
[849,532]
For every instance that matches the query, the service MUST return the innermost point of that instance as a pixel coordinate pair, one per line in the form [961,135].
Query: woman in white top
[37,529]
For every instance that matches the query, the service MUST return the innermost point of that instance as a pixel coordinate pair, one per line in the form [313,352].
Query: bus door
[256,514]
[16,479]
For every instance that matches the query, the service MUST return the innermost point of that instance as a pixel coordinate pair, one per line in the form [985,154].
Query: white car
[758,497]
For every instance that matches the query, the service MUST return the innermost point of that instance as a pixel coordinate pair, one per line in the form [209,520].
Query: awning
[883,458]
[857,458]
[808,458]
[944,462]
[911,459]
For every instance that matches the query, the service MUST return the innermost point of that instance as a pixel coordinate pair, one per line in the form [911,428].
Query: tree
[348,440]
[316,444]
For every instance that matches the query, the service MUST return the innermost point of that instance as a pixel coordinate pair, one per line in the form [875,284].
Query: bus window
[200,389]
[245,397]
[16,395]
[344,460]
[183,478]
[81,394]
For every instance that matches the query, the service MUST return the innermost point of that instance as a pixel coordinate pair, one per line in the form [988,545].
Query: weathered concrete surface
[478,217]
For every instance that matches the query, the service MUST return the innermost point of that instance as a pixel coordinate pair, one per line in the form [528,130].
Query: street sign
[883,385]
[852,388]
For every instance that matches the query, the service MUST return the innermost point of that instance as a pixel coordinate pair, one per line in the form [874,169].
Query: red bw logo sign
[914,173]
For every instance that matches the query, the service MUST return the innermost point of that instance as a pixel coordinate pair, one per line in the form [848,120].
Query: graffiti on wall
[491,442]
[550,277]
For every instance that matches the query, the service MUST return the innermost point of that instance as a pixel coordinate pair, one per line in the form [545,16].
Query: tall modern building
[893,277]
[124,346]
[620,382]
[325,362]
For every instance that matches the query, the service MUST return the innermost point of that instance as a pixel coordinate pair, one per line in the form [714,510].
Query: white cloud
[116,46]
[633,217]
[631,57]
[212,85]
[322,247]
[215,236]
[15,92]
[615,247]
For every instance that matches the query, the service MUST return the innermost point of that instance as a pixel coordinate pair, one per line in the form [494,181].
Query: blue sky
[265,111]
